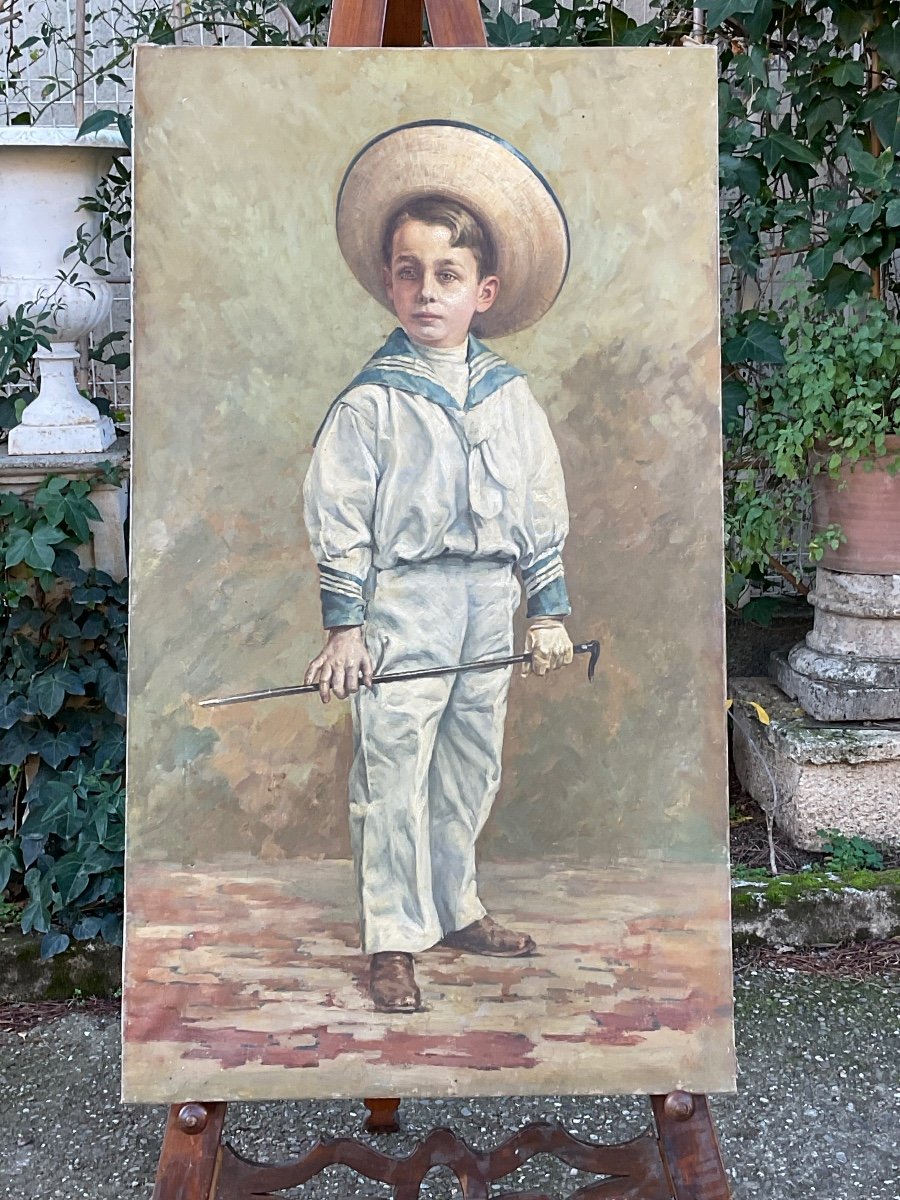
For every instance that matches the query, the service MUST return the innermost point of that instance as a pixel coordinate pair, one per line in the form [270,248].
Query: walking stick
[485,664]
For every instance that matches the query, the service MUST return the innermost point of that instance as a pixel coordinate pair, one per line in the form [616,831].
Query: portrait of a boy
[434,498]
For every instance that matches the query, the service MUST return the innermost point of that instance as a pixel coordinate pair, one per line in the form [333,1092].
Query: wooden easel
[678,1160]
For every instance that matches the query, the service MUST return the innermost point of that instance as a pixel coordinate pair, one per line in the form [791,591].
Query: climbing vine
[62,708]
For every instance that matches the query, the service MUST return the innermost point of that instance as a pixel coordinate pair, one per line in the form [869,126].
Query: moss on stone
[749,896]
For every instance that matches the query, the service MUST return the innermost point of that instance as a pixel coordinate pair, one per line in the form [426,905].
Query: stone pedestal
[44,173]
[24,474]
[848,669]
[815,775]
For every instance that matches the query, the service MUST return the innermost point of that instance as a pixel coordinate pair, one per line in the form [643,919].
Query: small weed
[849,853]
[750,874]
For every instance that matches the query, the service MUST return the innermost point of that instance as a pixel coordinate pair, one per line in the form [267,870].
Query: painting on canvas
[426,440]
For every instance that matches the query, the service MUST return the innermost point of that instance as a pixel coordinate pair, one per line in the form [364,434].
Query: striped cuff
[342,598]
[545,587]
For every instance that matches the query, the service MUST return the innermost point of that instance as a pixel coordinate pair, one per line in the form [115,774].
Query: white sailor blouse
[401,473]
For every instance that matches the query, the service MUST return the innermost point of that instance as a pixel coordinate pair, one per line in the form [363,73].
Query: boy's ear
[487,292]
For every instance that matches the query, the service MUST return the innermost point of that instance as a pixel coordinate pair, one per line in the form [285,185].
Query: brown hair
[466,230]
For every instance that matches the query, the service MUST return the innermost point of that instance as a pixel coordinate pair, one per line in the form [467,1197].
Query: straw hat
[479,170]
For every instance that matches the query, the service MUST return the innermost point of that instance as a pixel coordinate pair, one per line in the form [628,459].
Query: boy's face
[434,287]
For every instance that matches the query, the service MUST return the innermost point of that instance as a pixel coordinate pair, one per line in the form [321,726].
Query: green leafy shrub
[845,854]
[832,400]
[62,708]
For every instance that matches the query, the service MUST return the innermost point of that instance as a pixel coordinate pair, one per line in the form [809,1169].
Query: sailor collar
[398,364]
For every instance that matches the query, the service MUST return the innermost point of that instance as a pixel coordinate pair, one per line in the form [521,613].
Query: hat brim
[492,179]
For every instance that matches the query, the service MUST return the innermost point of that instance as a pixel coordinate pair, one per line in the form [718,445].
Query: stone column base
[87,438]
[849,667]
[839,687]
[844,777]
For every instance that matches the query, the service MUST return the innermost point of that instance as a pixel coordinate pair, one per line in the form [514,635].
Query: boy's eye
[447,276]
[406,273]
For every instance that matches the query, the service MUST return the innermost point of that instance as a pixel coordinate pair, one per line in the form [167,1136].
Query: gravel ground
[818,1113]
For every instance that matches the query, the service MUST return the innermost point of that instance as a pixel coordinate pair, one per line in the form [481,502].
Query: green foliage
[577,23]
[846,854]
[749,874]
[20,336]
[832,399]
[62,707]
[808,141]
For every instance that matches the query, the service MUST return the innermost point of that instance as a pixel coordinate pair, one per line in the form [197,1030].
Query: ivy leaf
[12,709]
[46,694]
[743,248]
[32,847]
[852,23]
[93,626]
[53,943]
[822,113]
[886,40]
[112,688]
[779,145]
[863,215]
[545,9]
[36,913]
[765,100]
[86,928]
[55,748]
[70,876]
[70,507]
[734,399]
[10,860]
[68,567]
[818,262]
[721,10]
[841,282]
[17,743]
[34,547]
[885,117]
[639,35]
[741,171]
[111,929]
[847,70]
[798,235]
[506,31]
[892,212]
[758,342]
[757,22]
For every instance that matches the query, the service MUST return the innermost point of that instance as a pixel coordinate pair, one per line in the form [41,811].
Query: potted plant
[818,431]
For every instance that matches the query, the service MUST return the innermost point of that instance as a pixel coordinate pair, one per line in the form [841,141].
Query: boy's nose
[428,291]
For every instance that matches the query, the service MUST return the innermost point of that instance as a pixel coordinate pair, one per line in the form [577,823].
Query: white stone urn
[44,171]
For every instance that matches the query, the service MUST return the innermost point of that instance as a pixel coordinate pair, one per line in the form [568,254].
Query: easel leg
[690,1151]
[190,1152]
[382,1116]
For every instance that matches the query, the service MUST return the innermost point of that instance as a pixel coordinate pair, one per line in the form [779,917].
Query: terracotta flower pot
[866,505]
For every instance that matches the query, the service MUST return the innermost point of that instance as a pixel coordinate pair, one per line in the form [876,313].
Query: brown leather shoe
[487,937]
[392,982]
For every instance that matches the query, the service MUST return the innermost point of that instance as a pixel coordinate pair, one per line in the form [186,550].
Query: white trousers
[426,764]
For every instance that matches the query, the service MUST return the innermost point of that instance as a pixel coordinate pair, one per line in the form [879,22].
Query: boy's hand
[548,644]
[341,662]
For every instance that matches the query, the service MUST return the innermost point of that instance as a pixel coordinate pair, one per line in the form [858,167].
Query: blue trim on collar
[398,364]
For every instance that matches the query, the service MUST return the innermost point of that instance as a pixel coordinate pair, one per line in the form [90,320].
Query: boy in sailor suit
[434,488]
